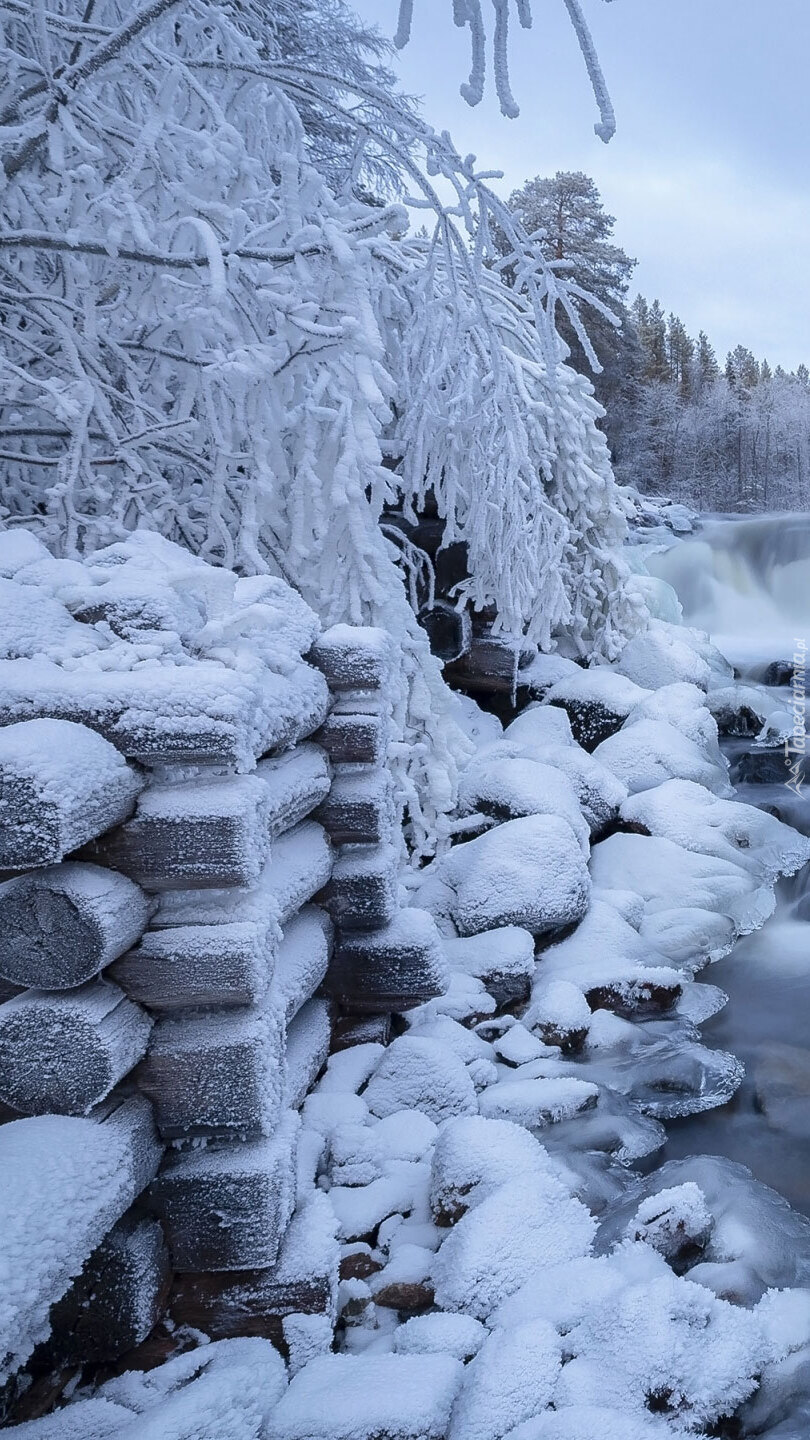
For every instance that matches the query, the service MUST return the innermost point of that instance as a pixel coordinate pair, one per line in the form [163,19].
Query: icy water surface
[747,581]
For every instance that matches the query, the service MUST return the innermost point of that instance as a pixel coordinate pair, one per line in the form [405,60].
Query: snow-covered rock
[356,1397]
[420,1074]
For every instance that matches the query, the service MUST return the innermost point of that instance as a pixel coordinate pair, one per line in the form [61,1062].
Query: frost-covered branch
[468,14]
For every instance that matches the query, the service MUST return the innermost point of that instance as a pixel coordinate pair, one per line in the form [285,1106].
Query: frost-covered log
[449,630]
[360,808]
[66,1181]
[300,864]
[296,782]
[116,1300]
[363,892]
[60,786]
[197,833]
[218,1073]
[391,969]
[302,960]
[308,1040]
[354,657]
[255,1302]
[355,737]
[226,1207]
[490,665]
[351,1029]
[62,1053]
[204,965]
[60,926]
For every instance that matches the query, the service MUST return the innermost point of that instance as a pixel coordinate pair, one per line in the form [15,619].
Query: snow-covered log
[199,832]
[354,657]
[363,891]
[60,786]
[226,1207]
[355,737]
[391,969]
[308,1040]
[491,664]
[299,865]
[296,782]
[65,1183]
[255,1302]
[302,960]
[220,1073]
[115,1301]
[205,965]
[360,808]
[60,926]
[62,1053]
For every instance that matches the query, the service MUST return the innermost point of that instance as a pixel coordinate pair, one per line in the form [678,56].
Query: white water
[746,581]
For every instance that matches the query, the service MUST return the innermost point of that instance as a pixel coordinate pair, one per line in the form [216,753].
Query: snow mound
[645,753]
[441,1333]
[529,872]
[512,1378]
[357,1397]
[507,789]
[417,1073]
[471,1158]
[517,1229]
[657,869]
[538,1103]
[662,654]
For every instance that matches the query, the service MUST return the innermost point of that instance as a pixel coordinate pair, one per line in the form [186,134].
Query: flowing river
[747,582]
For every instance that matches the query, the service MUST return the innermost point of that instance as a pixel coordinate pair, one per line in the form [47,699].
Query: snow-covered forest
[387,747]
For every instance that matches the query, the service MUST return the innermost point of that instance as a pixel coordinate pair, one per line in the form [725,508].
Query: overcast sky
[709,173]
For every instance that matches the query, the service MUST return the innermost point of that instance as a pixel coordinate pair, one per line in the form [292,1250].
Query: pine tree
[706,369]
[765,373]
[680,352]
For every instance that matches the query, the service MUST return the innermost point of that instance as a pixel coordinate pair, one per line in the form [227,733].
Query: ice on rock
[511,1379]
[441,1333]
[689,938]
[757,1242]
[538,1103]
[741,710]
[517,1229]
[659,871]
[608,962]
[507,789]
[676,1222]
[529,872]
[472,1158]
[648,752]
[691,817]
[420,1074]
[517,1046]
[357,1397]
[662,654]
[558,1012]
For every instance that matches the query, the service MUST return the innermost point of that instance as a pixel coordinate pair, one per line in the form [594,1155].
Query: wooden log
[302,960]
[360,809]
[205,833]
[307,1051]
[66,1181]
[60,786]
[354,657]
[236,716]
[216,1074]
[491,664]
[226,1207]
[255,1302]
[363,893]
[449,630]
[62,925]
[296,781]
[349,1029]
[451,566]
[391,970]
[62,1053]
[300,864]
[355,737]
[116,1300]
[189,966]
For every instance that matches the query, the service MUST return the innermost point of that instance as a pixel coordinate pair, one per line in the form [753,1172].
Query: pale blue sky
[709,173]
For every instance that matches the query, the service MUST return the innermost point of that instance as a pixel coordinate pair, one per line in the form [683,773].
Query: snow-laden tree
[201,337]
